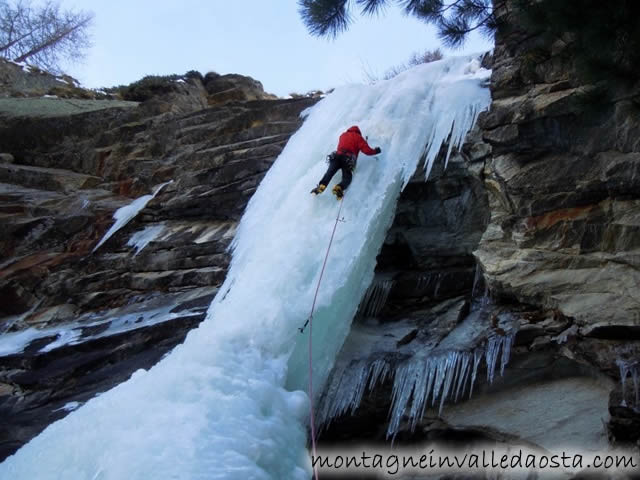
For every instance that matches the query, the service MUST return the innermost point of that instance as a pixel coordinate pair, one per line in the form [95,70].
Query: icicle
[360,383]
[124,214]
[464,371]
[636,387]
[416,384]
[387,286]
[456,375]
[430,379]
[476,278]
[507,342]
[450,367]
[375,298]
[142,238]
[439,380]
[420,394]
[485,300]
[423,282]
[629,368]
[348,387]
[401,392]
[435,292]
[346,392]
[491,356]
[340,393]
[477,356]
[379,372]
[624,370]
[323,414]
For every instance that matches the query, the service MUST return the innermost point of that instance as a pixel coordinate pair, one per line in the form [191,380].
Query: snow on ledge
[124,214]
[142,238]
[14,343]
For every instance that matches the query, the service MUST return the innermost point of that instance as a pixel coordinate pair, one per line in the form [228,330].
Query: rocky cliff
[78,317]
[563,193]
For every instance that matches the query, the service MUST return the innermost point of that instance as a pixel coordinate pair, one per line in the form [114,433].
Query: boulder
[233,88]
[21,80]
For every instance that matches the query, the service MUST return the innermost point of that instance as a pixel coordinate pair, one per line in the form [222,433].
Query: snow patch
[76,333]
[304,113]
[141,239]
[16,342]
[69,407]
[124,214]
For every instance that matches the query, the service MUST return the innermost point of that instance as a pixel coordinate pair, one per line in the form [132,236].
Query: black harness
[347,159]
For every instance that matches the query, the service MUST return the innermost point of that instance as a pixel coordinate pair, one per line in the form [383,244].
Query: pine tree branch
[324,17]
[371,7]
[454,18]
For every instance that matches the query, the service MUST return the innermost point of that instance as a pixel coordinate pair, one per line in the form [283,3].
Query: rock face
[75,321]
[224,88]
[562,184]
[26,81]
[563,197]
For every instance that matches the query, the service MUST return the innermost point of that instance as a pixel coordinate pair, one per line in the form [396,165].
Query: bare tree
[44,35]
[416,58]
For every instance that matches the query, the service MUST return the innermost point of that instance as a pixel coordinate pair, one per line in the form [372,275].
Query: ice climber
[344,158]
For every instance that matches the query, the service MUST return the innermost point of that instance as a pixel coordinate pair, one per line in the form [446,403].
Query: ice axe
[367,140]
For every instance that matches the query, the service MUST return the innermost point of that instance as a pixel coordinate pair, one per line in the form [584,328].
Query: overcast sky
[264,39]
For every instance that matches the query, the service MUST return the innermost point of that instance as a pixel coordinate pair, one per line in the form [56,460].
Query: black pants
[337,161]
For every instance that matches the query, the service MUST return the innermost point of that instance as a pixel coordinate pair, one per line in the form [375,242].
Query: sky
[264,39]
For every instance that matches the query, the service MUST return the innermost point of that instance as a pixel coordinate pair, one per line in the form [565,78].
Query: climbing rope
[310,323]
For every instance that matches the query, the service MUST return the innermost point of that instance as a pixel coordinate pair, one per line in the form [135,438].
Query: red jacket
[352,142]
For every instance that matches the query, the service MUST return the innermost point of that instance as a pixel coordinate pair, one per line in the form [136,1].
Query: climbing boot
[319,189]
[338,192]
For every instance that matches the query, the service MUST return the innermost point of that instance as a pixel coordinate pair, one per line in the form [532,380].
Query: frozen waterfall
[229,403]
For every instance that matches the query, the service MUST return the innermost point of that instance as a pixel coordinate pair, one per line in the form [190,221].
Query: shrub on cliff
[152,86]
[415,59]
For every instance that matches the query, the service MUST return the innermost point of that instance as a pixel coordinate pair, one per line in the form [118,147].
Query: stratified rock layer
[99,316]
[563,192]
